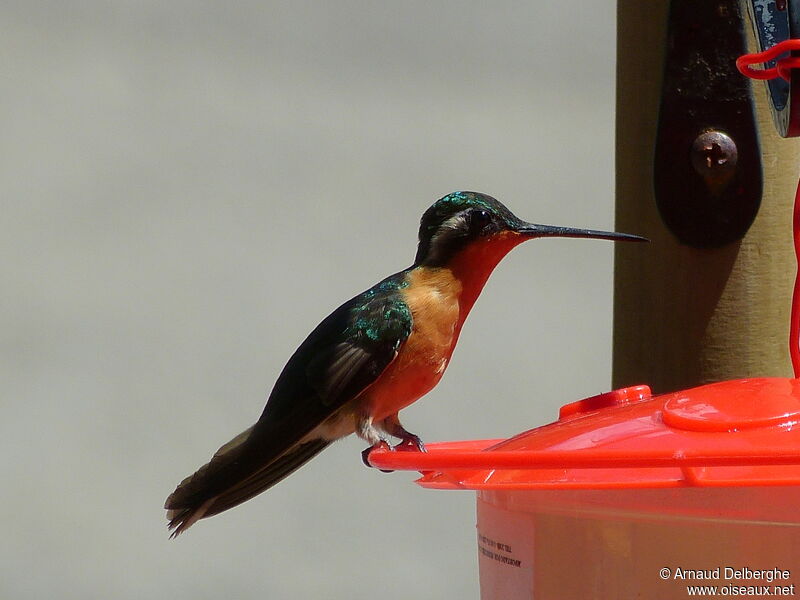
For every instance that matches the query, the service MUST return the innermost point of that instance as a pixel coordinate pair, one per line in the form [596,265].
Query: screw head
[714,154]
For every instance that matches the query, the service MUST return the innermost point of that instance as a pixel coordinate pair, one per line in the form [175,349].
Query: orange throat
[473,265]
[440,299]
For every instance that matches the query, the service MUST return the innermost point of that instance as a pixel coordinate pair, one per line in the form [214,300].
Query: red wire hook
[794,320]
[782,69]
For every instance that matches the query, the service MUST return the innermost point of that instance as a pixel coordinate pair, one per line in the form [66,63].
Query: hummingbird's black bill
[535,231]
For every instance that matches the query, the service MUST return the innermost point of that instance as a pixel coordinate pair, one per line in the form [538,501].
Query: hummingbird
[370,358]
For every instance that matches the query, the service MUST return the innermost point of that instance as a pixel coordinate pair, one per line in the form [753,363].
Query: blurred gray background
[189,187]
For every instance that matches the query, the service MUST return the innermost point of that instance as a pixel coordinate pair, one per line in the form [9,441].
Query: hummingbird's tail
[226,481]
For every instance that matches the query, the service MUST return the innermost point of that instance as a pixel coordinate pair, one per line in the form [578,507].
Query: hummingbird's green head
[464,220]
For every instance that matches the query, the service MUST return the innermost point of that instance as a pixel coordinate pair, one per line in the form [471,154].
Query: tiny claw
[410,443]
[382,445]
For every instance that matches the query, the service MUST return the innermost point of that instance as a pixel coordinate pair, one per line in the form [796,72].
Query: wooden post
[684,316]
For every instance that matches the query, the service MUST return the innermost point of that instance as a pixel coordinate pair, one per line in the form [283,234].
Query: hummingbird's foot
[410,441]
[382,445]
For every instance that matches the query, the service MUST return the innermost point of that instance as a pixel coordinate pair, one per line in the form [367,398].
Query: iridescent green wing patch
[375,325]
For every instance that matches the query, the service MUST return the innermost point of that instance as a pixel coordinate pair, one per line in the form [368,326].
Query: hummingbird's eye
[479,220]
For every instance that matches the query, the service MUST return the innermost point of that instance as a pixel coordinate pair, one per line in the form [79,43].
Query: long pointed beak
[536,231]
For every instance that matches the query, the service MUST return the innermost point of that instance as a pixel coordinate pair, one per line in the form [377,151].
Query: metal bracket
[707,170]
[776,21]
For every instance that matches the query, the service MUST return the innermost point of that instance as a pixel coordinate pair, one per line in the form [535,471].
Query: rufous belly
[433,298]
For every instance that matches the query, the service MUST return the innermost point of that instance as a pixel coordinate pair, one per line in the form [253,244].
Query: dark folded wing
[341,358]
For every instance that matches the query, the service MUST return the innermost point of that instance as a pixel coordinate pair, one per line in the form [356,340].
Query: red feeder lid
[734,433]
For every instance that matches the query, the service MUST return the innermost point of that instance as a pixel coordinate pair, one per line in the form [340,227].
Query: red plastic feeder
[629,495]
